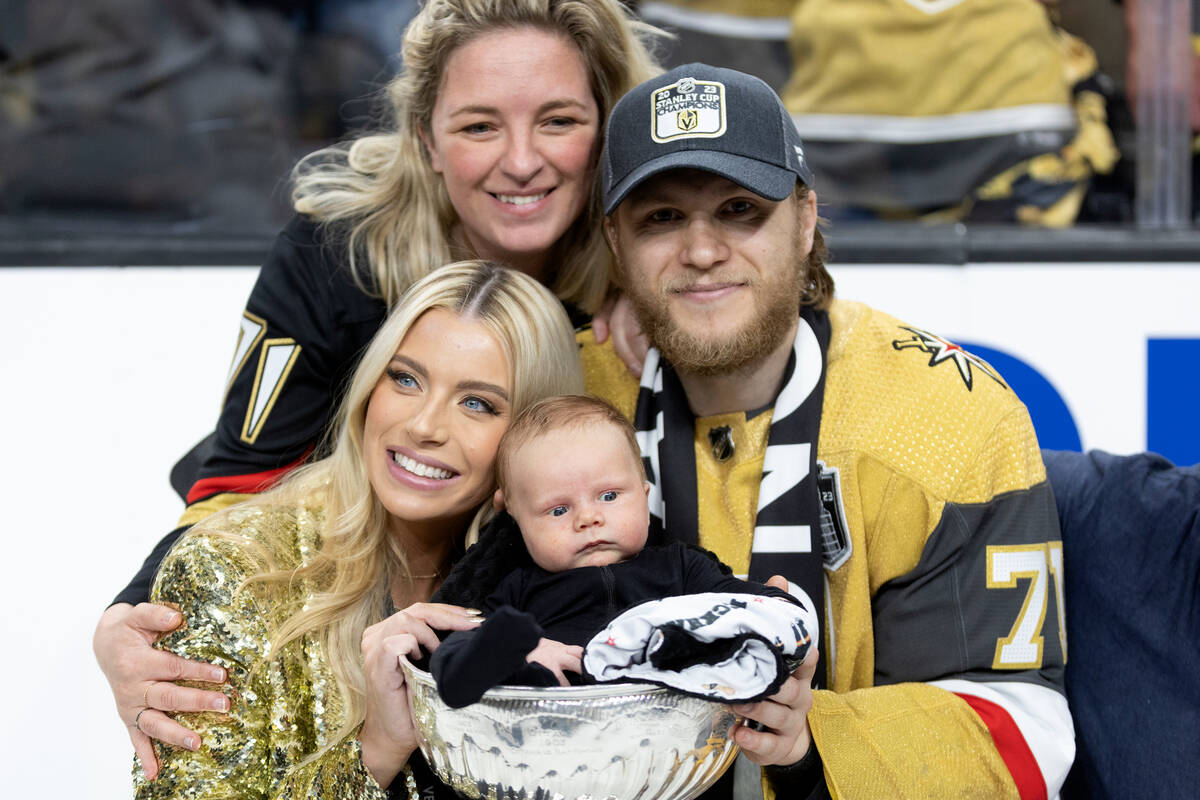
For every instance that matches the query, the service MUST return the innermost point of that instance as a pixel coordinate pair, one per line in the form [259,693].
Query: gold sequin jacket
[285,706]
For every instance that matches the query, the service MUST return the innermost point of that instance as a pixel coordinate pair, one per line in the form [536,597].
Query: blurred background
[1014,175]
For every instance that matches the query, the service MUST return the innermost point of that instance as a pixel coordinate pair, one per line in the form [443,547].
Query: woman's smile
[514,134]
[522,200]
[435,418]
[412,467]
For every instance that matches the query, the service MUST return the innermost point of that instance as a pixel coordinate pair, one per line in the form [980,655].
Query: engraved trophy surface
[604,742]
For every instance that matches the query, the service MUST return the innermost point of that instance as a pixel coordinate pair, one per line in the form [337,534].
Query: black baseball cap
[701,117]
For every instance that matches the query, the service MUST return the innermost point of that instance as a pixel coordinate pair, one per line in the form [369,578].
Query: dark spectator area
[138,132]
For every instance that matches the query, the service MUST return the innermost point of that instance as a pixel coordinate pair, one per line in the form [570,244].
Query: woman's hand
[616,317]
[387,736]
[785,714]
[141,678]
[558,658]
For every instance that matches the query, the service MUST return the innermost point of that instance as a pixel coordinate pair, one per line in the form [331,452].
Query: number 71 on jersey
[1037,564]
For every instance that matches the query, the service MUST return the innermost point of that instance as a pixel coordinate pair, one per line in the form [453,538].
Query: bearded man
[887,475]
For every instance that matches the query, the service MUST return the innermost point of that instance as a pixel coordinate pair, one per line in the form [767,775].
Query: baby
[570,473]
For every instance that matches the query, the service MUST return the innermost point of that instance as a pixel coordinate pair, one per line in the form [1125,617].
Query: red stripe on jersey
[240,484]
[1012,747]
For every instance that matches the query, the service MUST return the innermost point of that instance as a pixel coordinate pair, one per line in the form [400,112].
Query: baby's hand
[558,658]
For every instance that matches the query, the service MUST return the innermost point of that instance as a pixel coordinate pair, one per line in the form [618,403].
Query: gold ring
[146,696]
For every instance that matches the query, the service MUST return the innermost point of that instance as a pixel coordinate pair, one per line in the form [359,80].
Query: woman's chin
[450,506]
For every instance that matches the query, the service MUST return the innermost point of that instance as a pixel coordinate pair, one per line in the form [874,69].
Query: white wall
[109,375]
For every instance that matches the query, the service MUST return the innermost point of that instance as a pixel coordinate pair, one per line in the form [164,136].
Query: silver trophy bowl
[622,741]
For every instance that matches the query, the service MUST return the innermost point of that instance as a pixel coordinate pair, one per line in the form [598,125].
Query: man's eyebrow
[649,196]
[663,190]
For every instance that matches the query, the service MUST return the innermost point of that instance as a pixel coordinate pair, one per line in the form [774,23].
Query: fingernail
[472,612]
[170,618]
[190,743]
[221,704]
[218,674]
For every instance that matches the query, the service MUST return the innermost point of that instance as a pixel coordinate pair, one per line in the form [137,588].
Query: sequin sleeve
[337,773]
[278,704]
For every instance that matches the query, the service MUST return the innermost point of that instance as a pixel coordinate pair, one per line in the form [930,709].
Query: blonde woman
[294,591]
[490,153]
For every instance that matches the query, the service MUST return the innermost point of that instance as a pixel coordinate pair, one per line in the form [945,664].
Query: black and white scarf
[787,529]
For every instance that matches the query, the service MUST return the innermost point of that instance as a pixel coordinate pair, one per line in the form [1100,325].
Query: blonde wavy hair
[357,561]
[396,210]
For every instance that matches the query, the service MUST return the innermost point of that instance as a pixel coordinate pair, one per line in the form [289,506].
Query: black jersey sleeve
[138,589]
[802,780]
[305,325]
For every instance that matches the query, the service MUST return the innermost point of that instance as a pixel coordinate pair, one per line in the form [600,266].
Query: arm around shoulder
[202,577]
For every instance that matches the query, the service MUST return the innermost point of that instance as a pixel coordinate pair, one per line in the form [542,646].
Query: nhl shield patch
[688,109]
[836,547]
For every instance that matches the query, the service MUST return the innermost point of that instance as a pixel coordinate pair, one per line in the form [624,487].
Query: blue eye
[479,404]
[558,511]
[609,496]
[402,378]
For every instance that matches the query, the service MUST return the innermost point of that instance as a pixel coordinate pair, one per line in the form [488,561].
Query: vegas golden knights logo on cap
[688,109]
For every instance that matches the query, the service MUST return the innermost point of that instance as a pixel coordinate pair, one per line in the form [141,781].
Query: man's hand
[557,657]
[785,714]
[142,678]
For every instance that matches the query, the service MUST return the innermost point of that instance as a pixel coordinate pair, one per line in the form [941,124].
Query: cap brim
[765,180]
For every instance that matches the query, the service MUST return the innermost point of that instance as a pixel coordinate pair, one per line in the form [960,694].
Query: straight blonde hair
[396,209]
[357,561]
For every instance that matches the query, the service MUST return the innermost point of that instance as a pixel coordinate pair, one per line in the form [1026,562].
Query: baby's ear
[646,488]
[498,499]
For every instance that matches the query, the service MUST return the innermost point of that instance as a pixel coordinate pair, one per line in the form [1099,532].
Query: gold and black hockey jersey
[942,557]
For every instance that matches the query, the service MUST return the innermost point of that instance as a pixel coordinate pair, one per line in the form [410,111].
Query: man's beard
[777,304]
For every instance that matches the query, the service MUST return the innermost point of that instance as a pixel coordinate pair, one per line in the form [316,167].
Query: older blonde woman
[294,591]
